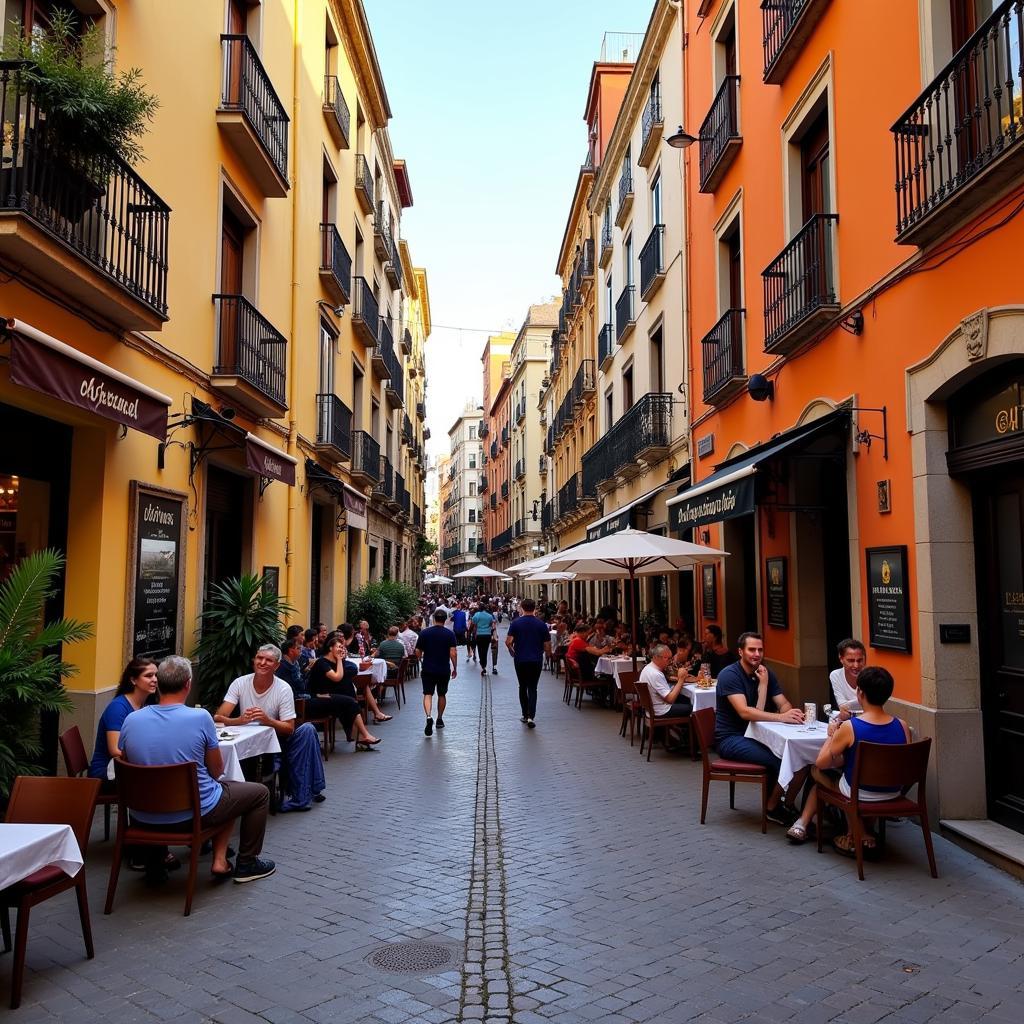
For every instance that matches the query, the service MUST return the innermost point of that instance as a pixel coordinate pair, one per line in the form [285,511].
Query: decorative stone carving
[974,329]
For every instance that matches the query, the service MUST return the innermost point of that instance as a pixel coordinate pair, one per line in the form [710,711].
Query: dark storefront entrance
[228,520]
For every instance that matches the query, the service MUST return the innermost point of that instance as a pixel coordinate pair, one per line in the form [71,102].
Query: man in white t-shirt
[408,636]
[260,698]
[665,697]
[853,656]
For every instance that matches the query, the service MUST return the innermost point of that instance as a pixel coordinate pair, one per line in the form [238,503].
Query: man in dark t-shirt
[438,649]
[746,690]
[528,641]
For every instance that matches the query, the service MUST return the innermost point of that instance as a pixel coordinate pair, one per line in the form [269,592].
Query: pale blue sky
[488,103]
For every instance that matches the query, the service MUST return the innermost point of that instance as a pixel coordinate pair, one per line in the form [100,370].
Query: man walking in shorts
[438,649]
[483,626]
[528,641]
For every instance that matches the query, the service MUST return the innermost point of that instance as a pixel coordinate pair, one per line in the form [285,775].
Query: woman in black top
[331,681]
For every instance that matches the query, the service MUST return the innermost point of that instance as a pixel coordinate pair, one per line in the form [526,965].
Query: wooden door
[814,258]
[231,250]
[237,19]
[999,539]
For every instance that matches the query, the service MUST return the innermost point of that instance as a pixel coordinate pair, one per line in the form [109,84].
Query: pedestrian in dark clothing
[528,641]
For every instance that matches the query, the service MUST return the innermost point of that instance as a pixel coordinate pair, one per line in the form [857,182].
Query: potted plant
[239,615]
[31,670]
[91,114]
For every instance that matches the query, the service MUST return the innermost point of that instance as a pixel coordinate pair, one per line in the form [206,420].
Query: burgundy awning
[53,368]
[268,461]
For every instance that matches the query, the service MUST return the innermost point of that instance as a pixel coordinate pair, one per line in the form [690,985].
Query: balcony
[252,117]
[520,471]
[364,184]
[652,262]
[542,465]
[421,414]
[959,145]
[624,316]
[625,195]
[799,286]
[402,501]
[518,529]
[336,112]
[408,438]
[504,490]
[365,468]
[494,449]
[587,266]
[520,411]
[502,540]
[504,436]
[394,389]
[584,384]
[393,264]
[334,428]
[605,347]
[651,127]
[365,314]
[335,265]
[494,501]
[722,351]
[720,138]
[381,232]
[785,26]
[384,485]
[88,227]
[481,549]
[640,438]
[573,498]
[605,255]
[406,345]
[482,485]
[549,442]
[250,367]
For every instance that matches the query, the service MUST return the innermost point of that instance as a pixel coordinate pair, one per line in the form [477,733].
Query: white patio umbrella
[531,565]
[437,579]
[632,553]
[481,571]
[549,577]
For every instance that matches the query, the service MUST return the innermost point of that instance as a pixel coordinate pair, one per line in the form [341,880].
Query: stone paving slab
[571,874]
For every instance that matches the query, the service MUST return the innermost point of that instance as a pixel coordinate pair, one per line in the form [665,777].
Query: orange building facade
[856,342]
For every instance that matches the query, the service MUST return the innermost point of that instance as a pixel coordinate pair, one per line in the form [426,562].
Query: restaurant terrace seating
[76,764]
[718,770]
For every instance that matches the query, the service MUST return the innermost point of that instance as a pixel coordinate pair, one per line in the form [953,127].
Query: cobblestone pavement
[568,879]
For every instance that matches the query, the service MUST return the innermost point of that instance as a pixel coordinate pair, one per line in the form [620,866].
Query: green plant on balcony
[92,114]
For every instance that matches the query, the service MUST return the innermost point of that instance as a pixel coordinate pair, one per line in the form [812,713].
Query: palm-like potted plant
[240,614]
[31,669]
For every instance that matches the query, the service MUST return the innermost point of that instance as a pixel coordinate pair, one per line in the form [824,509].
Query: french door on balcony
[231,272]
[238,17]
[816,190]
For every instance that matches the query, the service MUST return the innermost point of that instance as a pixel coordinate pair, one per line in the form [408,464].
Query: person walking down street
[528,641]
[483,627]
[460,627]
[439,654]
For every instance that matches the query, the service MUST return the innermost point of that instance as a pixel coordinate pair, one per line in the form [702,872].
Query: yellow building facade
[212,363]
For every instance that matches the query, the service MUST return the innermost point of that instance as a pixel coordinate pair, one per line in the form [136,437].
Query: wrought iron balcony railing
[652,261]
[651,124]
[504,490]
[250,347]
[520,470]
[365,455]
[337,110]
[365,312]
[584,383]
[334,424]
[719,134]
[624,320]
[625,194]
[384,486]
[364,183]
[605,345]
[722,351]
[335,260]
[644,431]
[785,24]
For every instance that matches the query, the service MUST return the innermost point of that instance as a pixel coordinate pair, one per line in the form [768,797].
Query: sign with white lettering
[355,509]
[888,598]
[715,505]
[155,613]
[269,462]
[55,374]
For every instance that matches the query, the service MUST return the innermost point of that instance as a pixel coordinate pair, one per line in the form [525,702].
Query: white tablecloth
[27,848]
[245,741]
[796,745]
[379,669]
[701,698]
[614,665]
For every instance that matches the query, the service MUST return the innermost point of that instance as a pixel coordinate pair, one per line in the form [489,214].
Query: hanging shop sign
[888,598]
[261,458]
[156,591]
[709,591]
[355,509]
[776,578]
[726,501]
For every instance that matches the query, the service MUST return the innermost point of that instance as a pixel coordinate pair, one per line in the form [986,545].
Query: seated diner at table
[747,689]
[260,698]
[331,684]
[135,689]
[716,654]
[666,698]
[392,650]
[581,655]
[853,656]
[685,661]
[834,766]
[363,663]
[288,668]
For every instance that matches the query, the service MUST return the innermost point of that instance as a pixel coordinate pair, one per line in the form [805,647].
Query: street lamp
[680,139]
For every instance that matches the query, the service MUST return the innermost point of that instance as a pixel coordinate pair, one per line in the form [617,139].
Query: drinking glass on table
[705,675]
[810,716]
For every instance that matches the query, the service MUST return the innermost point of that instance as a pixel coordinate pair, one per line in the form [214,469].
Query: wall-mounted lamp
[681,139]
[854,323]
[760,388]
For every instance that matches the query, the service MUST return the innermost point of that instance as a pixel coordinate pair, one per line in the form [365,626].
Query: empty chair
[76,764]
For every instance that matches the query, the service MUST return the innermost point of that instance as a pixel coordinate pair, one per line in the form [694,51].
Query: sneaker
[523,719]
[428,729]
[531,724]
[780,816]
[440,722]
[483,671]
[254,870]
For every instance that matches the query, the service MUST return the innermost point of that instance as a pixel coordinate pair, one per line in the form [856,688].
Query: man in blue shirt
[528,641]
[439,652]
[746,690]
[459,627]
[172,733]
[483,627]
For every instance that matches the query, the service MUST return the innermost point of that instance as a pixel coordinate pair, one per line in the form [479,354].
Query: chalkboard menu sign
[888,599]
[777,590]
[156,572]
[709,591]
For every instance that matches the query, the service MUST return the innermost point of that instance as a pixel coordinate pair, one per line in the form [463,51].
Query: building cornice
[423,297]
[577,211]
[358,41]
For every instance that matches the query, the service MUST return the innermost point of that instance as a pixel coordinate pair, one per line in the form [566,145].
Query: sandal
[796,833]
[223,876]
[362,745]
[377,719]
[843,845]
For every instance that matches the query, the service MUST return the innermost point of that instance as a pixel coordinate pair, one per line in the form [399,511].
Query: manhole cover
[412,957]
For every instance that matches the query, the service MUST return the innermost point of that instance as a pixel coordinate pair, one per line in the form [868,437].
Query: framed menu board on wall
[709,591]
[777,592]
[155,612]
[888,598]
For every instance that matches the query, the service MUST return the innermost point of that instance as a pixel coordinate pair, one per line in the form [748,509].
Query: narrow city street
[550,874]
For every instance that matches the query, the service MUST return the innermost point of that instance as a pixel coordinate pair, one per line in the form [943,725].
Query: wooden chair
[397,682]
[47,801]
[362,683]
[324,723]
[719,770]
[157,789]
[652,724]
[631,709]
[76,764]
[896,766]
[576,683]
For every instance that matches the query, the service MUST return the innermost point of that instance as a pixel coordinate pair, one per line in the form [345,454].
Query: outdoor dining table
[612,666]
[700,697]
[796,745]
[25,849]
[378,670]
[238,742]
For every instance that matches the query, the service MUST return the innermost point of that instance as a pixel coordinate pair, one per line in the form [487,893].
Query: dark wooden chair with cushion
[322,723]
[719,770]
[896,766]
[631,710]
[652,724]
[157,789]
[575,683]
[76,764]
[396,682]
[46,801]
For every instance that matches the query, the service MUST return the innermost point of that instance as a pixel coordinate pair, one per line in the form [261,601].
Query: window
[814,168]
[627,389]
[472,433]
[472,490]
[37,15]
[657,361]
[472,460]
[609,409]
[472,515]
[327,346]
[357,397]
[609,300]
[627,251]
[656,200]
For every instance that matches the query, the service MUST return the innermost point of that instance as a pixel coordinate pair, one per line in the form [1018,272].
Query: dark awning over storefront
[729,491]
[349,498]
[624,517]
[53,368]
[269,461]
